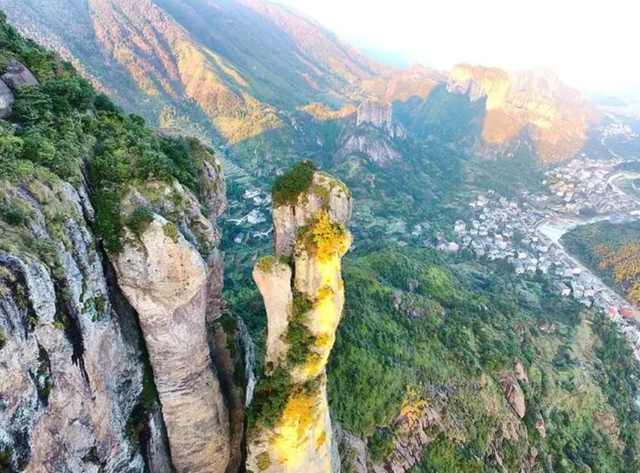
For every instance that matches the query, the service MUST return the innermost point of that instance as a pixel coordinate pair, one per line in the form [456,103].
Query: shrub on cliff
[288,187]
[139,220]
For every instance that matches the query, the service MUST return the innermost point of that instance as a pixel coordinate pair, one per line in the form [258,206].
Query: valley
[271,253]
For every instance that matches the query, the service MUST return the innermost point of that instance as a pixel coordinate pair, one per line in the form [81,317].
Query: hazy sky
[592,44]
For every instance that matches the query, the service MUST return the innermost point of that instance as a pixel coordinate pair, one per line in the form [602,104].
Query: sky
[592,44]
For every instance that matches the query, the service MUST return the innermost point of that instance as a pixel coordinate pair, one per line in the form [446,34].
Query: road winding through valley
[555,227]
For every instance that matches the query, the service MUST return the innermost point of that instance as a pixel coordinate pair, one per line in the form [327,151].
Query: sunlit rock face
[480,82]
[376,112]
[304,297]
[532,103]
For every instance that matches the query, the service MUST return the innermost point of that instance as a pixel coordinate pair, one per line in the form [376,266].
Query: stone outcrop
[304,297]
[78,329]
[165,278]
[6,100]
[271,277]
[376,112]
[378,149]
[289,219]
[532,103]
[171,273]
[353,451]
[521,372]
[17,75]
[480,82]
[70,355]
[417,425]
[513,394]
[373,135]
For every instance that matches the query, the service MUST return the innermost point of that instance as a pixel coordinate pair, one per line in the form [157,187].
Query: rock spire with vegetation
[290,425]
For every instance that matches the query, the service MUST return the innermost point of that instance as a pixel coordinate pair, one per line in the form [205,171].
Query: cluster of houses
[581,186]
[505,230]
[619,129]
[501,228]
[254,210]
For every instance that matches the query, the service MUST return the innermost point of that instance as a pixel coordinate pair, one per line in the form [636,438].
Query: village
[526,232]
[619,129]
[582,187]
[256,207]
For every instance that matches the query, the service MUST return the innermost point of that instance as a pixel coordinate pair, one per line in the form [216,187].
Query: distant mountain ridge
[557,117]
[244,65]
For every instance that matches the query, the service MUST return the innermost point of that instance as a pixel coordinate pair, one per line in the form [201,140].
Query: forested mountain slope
[613,251]
[239,70]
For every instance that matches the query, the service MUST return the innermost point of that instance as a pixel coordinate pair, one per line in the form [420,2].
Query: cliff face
[70,354]
[110,289]
[304,296]
[373,135]
[165,280]
[553,115]
[170,272]
[377,113]
[71,370]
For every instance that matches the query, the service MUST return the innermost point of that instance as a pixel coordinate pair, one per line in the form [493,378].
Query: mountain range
[238,69]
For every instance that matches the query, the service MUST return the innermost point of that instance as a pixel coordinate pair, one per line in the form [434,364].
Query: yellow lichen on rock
[304,303]
[326,239]
[297,420]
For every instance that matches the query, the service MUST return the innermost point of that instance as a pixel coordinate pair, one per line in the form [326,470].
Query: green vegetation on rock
[62,127]
[299,338]
[139,220]
[444,330]
[289,186]
[269,400]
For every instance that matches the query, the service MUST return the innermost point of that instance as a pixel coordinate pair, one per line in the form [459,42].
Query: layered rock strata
[304,296]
